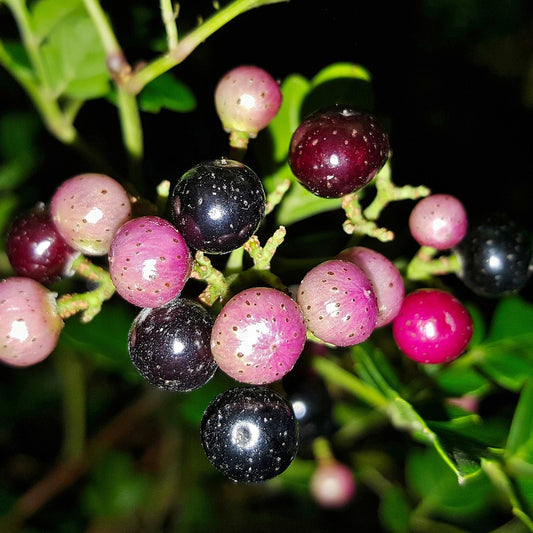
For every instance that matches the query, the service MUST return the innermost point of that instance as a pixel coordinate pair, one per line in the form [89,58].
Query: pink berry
[432,326]
[386,280]
[258,335]
[332,485]
[338,303]
[247,98]
[30,325]
[149,261]
[88,209]
[439,221]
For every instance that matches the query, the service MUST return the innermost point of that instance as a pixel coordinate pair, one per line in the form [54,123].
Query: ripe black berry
[170,345]
[337,150]
[218,205]
[250,433]
[495,256]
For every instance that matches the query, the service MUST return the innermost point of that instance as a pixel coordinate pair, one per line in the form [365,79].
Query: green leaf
[74,58]
[169,93]
[47,14]
[519,450]
[293,89]
[438,490]
[395,511]
[506,355]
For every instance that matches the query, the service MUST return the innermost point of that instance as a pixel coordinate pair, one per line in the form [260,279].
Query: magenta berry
[332,485]
[30,325]
[386,280]
[338,303]
[439,221]
[247,98]
[88,209]
[432,327]
[149,261]
[36,249]
[258,335]
[338,150]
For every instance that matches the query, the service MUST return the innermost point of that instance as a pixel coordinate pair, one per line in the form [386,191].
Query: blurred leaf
[73,54]
[115,487]
[104,340]
[395,511]
[519,450]
[8,205]
[506,355]
[47,14]
[438,490]
[169,93]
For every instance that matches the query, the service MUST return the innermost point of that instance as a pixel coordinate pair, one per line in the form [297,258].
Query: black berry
[250,433]
[495,256]
[218,205]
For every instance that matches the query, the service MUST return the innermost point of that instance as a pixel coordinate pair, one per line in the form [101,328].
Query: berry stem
[276,196]
[217,286]
[424,264]
[322,451]
[88,303]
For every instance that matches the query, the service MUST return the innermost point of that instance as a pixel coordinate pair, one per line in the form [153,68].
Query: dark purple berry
[169,345]
[218,205]
[495,256]
[36,249]
[337,150]
[249,433]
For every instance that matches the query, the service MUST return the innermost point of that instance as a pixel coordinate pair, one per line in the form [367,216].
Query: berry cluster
[257,331]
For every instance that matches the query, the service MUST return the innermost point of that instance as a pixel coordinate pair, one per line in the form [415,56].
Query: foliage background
[453,78]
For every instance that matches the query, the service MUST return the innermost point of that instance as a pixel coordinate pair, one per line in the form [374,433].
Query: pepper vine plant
[377,374]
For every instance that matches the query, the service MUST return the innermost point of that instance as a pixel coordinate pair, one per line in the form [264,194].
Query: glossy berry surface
[218,205]
[35,248]
[30,325]
[439,221]
[247,98]
[337,150]
[332,485]
[338,303]
[149,261]
[495,256]
[432,327]
[88,209]
[169,345]
[386,279]
[258,335]
[249,434]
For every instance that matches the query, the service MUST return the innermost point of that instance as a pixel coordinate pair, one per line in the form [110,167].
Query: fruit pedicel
[246,323]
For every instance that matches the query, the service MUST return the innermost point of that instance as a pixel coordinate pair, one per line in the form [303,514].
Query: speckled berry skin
[36,249]
[218,205]
[337,150]
[439,221]
[30,325]
[386,280]
[432,327]
[250,434]
[338,303]
[88,209]
[247,98]
[258,335]
[169,345]
[149,261]
[495,256]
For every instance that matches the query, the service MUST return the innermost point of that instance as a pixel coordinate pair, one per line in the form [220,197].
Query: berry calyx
[432,327]
[337,151]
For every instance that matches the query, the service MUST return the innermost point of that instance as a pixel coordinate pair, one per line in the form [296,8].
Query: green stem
[425,265]
[74,429]
[169,15]
[139,79]
[337,375]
